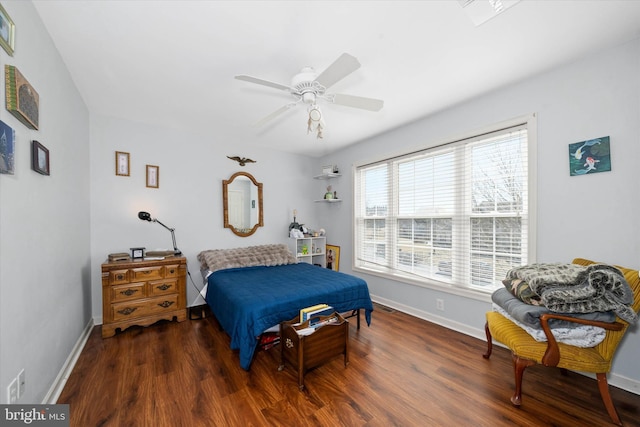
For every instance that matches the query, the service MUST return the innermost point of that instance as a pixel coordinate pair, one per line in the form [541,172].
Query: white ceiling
[172,63]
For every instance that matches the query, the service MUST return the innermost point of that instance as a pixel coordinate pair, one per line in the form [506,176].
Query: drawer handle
[172,271]
[127,311]
[166,304]
[163,287]
[129,292]
[120,277]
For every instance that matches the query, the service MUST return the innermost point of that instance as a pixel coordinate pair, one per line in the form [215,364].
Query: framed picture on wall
[22,100]
[122,163]
[7,32]
[40,158]
[590,156]
[333,257]
[7,148]
[153,176]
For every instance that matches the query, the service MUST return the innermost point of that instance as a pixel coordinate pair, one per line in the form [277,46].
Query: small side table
[309,351]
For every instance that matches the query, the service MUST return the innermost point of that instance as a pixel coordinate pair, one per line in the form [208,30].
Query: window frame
[530,123]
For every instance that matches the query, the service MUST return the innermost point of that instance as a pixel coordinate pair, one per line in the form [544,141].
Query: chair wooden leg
[489,341]
[603,386]
[519,365]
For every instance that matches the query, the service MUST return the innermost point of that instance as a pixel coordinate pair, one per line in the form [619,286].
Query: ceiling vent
[480,11]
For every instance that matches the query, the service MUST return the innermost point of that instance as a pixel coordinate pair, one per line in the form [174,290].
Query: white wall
[592,216]
[189,199]
[44,220]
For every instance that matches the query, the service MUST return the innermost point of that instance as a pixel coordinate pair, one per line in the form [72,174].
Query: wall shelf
[327,176]
[328,201]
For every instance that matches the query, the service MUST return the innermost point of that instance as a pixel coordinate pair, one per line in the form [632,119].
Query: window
[454,215]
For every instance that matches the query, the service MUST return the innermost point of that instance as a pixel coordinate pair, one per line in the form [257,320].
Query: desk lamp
[146,216]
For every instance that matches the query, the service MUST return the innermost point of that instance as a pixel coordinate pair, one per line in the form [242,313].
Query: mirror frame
[225,204]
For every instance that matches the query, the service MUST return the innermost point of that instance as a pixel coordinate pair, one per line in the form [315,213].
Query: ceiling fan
[308,87]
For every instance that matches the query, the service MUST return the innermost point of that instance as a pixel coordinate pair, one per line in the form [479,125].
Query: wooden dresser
[141,292]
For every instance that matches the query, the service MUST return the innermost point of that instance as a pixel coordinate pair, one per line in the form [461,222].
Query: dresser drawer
[127,292]
[147,273]
[171,271]
[117,277]
[146,307]
[164,303]
[163,287]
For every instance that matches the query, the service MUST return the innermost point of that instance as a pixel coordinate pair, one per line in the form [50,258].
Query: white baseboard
[58,384]
[619,381]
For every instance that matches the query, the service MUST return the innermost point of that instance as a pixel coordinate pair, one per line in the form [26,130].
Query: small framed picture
[39,158]
[137,253]
[7,32]
[7,148]
[122,163]
[333,257]
[153,176]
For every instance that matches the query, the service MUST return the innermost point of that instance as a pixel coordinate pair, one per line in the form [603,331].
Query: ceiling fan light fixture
[309,98]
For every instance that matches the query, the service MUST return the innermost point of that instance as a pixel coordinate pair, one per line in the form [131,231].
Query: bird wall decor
[242,160]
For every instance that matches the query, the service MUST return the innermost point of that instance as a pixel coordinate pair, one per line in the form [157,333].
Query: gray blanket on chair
[571,288]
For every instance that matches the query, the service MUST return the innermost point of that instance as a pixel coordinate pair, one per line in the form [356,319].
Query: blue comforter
[246,301]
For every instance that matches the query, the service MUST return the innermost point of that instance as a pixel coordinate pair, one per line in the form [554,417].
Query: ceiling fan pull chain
[315,121]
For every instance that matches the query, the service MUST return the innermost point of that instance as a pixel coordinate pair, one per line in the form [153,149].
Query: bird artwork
[242,160]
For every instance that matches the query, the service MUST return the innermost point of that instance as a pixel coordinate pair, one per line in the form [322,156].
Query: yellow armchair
[527,352]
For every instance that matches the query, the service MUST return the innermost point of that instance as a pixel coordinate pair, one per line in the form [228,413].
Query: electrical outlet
[440,304]
[22,383]
[12,392]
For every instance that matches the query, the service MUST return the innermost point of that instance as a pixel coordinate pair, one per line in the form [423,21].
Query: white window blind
[455,214]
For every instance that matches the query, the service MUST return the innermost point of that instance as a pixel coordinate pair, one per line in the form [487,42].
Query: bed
[250,290]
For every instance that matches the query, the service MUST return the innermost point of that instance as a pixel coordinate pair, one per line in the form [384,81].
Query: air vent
[480,11]
[381,307]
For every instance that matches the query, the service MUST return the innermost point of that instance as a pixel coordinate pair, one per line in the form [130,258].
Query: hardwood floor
[403,371]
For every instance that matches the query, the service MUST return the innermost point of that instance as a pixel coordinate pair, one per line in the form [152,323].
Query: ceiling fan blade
[370,104]
[341,68]
[263,82]
[274,114]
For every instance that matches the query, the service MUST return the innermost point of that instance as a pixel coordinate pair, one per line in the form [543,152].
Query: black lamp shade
[145,216]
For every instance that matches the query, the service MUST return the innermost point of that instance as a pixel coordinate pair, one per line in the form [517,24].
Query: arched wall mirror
[242,204]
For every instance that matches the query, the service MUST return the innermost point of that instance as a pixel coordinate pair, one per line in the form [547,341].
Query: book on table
[319,310]
[316,322]
[327,311]
[305,311]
